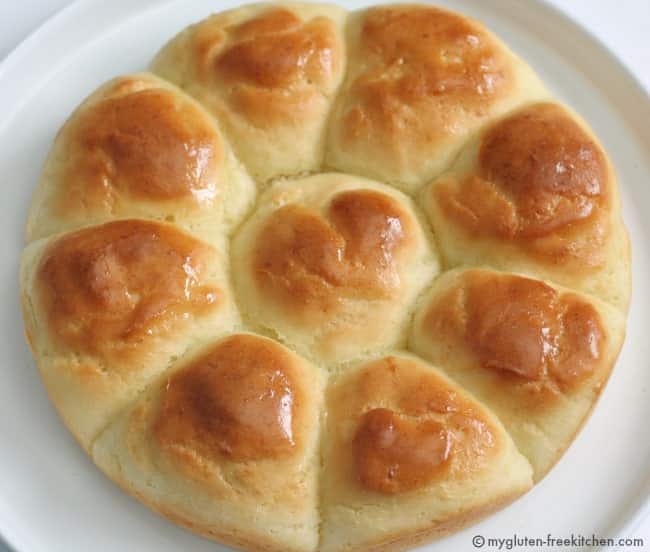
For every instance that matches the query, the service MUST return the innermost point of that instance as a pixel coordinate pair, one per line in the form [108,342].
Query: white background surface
[623,25]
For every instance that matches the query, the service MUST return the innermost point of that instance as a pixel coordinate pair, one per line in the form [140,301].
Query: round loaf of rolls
[325,280]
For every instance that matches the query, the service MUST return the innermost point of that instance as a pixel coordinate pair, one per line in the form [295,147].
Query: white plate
[52,497]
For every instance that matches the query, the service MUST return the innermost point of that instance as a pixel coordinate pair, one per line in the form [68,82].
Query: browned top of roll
[539,174]
[305,259]
[421,66]
[149,144]
[412,426]
[106,288]
[238,401]
[270,65]
[538,340]
[395,455]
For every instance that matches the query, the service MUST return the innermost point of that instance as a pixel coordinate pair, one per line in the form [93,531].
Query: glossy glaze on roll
[535,193]
[227,445]
[269,74]
[405,451]
[332,265]
[421,80]
[140,147]
[536,354]
[326,280]
[107,307]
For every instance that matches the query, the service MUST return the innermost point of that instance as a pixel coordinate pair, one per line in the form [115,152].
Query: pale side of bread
[139,147]
[544,420]
[479,476]
[476,223]
[269,73]
[332,265]
[588,258]
[409,103]
[264,503]
[90,386]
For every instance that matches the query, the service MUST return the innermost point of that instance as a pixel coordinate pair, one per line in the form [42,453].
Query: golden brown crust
[555,171]
[139,147]
[105,289]
[420,79]
[412,428]
[541,182]
[332,264]
[538,355]
[395,455]
[540,342]
[277,65]
[226,443]
[271,67]
[237,401]
[308,262]
[268,73]
[426,59]
[147,144]
[406,450]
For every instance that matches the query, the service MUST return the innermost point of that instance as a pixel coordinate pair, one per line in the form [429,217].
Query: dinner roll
[420,81]
[269,72]
[332,264]
[226,444]
[536,193]
[140,147]
[409,455]
[108,307]
[231,271]
[538,355]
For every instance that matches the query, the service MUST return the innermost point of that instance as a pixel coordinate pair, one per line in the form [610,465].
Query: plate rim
[122,10]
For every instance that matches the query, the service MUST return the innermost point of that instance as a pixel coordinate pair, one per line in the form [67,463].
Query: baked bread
[269,74]
[535,192]
[421,80]
[140,147]
[332,265]
[234,260]
[107,308]
[226,443]
[409,455]
[536,354]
